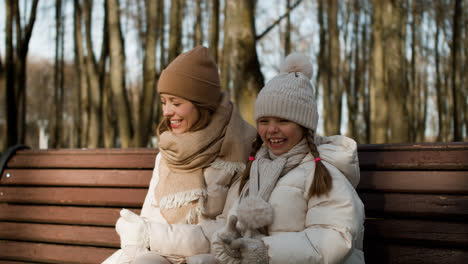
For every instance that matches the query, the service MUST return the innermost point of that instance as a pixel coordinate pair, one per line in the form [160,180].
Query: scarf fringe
[181,199]
[230,167]
[194,216]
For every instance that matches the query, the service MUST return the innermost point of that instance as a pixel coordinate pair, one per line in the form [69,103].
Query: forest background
[83,73]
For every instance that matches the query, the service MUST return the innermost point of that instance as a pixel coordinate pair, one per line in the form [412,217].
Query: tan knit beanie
[290,94]
[194,76]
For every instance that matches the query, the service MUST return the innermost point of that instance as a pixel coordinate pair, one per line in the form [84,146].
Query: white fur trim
[230,167]
[181,199]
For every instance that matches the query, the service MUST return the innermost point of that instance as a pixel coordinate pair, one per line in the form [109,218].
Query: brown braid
[322,182]
[256,145]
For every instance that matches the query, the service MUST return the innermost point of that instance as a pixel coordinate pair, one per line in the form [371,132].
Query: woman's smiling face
[280,135]
[181,113]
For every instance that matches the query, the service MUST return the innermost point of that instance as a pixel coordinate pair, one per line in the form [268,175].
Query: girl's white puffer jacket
[325,229]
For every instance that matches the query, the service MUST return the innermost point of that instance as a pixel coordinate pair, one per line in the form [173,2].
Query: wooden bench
[60,206]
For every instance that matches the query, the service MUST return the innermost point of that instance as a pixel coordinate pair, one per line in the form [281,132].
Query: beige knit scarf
[181,191]
[268,168]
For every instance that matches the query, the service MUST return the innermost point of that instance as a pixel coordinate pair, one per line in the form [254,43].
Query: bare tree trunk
[322,72]
[214,29]
[162,50]
[175,30]
[395,71]
[439,87]
[10,91]
[455,76]
[198,36]
[225,61]
[364,91]
[354,88]
[117,74]
[247,79]
[332,96]
[108,114]
[57,131]
[287,32]
[149,76]
[95,120]
[80,65]
[465,69]
[378,93]
[16,70]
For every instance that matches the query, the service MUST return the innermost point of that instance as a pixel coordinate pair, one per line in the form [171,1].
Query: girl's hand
[220,244]
[253,251]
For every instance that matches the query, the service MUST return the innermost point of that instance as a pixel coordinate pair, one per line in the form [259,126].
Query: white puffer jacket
[178,241]
[183,239]
[325,229]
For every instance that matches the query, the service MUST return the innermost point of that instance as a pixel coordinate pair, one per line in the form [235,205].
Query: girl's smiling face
[181,113]
[280,135]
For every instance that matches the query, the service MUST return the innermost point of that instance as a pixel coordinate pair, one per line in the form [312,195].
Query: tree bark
[378,93]
[353,87]
[57,131]
[198,35]
[323,51]
[162,50]
[455,74]
[16,70]
[117,74]
[149,76]
[81,83]
[175,30]
[287,31]
[10,91]
[332,96]
[214,30]
[395,71]
[241,55]
[95,94]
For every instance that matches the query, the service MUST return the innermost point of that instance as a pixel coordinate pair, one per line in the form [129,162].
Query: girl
[203,144]
[297,202]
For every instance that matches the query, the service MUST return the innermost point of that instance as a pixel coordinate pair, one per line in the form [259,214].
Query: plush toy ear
[254,212]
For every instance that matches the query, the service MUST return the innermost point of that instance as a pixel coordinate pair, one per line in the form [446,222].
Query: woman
[203,144]
[298,202]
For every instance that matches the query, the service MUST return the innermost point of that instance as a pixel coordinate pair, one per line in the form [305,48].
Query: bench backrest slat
[114,197]
[52,253]
[415,196]
[78,177]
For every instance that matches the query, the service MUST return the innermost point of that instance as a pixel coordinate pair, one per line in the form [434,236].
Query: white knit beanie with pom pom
[290,94]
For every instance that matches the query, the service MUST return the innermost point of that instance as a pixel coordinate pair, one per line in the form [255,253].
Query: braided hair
[322,182]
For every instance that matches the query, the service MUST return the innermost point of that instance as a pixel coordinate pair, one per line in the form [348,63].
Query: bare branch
[268,29]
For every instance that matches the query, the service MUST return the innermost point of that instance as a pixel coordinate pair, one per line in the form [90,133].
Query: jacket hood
[341,152]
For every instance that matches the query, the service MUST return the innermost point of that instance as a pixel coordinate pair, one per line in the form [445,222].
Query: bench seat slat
[382,252]
[77,177]
[74,196]
[60,234]
[415,205]
[77,158]
[455,182]
[417,231]
[52,253]
[93,216]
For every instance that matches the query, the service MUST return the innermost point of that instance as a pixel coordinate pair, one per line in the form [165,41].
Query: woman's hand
[220,244]
[253,251]
[132,230]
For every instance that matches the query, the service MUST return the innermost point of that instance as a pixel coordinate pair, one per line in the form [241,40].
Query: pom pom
[254,212]
[297,62]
